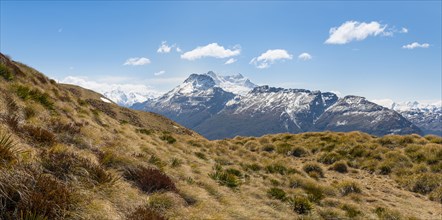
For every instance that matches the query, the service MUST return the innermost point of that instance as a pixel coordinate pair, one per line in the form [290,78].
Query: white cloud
[137,61]
[230,61]
[105,87]
[210,50]
[416,45]
[354,30]
[269,57]
[305,56]
[178,50]
[403,30]
[159,73]
[164,48]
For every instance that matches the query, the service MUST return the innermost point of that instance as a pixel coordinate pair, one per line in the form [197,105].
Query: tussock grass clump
[225,177]
[24,191]
[39,135]
[313,169]
[8,151]
[315,192]
[150,180]
[168,138]
[387,214]
[67,166]
[424,183]
[329,158]
[26,93]
[145,131]
[6,73]
[346,187]
[436,195]
[145,213]
[300,205]
[299,152]
[340,167]
[276,193]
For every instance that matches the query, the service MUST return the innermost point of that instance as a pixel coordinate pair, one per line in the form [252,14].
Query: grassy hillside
[67,154]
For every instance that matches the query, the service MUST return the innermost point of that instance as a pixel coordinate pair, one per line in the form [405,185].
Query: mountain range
[226,106]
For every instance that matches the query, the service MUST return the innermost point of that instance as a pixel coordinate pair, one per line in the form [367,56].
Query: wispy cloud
[137,61]
[211,50]
[355,31]
[164,48]
[305,56]
[230,61]
[416,45]
[159,73]
[268,58]
[403,30]
[178,50]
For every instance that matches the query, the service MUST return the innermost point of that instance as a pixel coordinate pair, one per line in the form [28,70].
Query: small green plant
[347,187]
[350,210]
[253,167]
[300,205]
[313,170]
[276,193]
[277,168]
[175,162]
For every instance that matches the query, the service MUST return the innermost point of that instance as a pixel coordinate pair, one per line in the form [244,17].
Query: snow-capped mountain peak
[236,84]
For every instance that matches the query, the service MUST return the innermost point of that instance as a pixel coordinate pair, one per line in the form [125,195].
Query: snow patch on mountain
[236,84]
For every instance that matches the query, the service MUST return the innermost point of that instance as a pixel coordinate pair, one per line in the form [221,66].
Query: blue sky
[366,55]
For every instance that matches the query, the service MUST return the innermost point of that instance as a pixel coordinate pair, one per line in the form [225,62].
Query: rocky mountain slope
[69,153]
[267,110]
[427,116]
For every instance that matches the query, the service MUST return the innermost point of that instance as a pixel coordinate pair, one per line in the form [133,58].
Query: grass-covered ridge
[65,154]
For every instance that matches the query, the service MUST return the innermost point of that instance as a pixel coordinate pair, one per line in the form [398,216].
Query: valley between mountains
[70,153]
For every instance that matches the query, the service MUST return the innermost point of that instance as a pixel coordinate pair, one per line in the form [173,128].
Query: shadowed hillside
[68,153]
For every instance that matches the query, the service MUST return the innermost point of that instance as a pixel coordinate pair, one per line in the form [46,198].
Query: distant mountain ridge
[427,116]
[220,107]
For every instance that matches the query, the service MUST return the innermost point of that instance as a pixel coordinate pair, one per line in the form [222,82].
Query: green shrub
[300,205]
[340,167]
[299,152]
[313,169]
[6,73]
[385,168]
[276,193]
[329,158]
[347,187]
[234,172]
[150,180]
